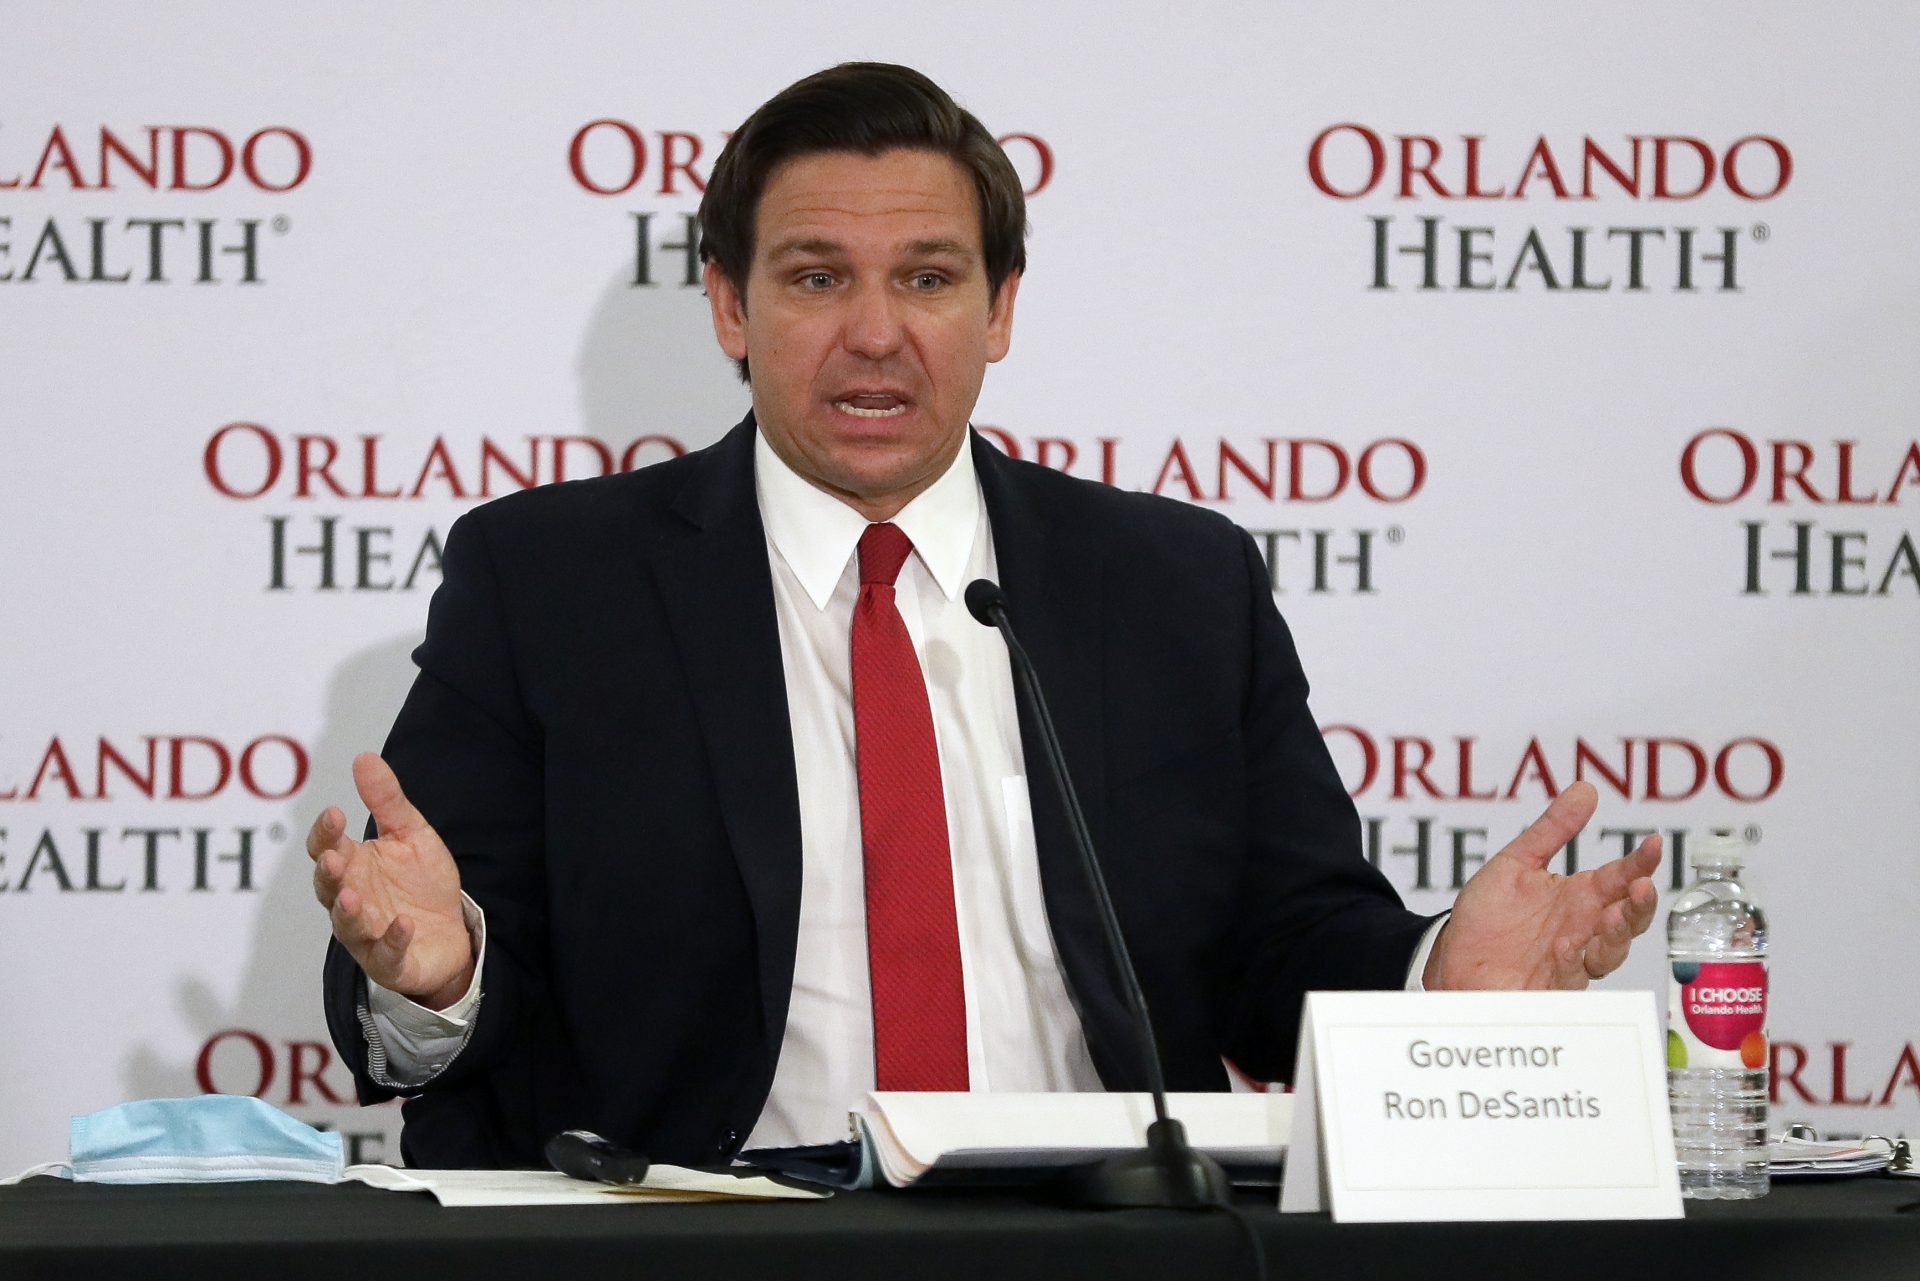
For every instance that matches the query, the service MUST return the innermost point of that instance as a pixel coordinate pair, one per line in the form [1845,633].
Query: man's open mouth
[873,405]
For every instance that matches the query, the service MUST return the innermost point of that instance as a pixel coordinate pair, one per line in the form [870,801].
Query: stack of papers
[1790,1157]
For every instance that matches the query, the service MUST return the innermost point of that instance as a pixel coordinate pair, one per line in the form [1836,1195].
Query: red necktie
[913,942]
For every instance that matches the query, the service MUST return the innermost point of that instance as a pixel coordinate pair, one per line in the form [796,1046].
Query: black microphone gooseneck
[1169,1171]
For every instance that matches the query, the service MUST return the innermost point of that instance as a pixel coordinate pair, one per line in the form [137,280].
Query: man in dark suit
[720,877]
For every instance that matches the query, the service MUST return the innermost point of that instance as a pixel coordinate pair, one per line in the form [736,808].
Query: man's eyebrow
[815,247]
[808,248]
[939,249]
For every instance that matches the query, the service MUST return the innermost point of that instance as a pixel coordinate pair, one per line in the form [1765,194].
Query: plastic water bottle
[1717,1027]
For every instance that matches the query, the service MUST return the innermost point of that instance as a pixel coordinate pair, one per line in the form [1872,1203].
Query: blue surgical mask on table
[214,1138]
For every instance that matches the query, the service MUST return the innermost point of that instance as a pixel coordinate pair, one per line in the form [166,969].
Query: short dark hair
[870,108]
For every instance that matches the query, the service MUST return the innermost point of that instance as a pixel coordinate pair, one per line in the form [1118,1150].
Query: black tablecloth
[52,1229]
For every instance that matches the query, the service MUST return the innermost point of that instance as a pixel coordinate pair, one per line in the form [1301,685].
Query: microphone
[1168,1172]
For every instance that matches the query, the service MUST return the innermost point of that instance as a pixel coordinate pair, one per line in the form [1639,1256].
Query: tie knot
[883,550]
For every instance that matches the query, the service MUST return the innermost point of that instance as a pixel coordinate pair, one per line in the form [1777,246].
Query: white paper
[664,1183]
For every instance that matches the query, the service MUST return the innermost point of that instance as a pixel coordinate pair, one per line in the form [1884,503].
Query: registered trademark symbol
[276,833]
[1395,534]
[1752,833]
[1761,231]
[280,224]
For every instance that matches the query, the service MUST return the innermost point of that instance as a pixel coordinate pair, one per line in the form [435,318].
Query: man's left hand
[1517,925]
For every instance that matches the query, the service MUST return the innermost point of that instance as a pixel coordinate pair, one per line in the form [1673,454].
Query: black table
[74,1232]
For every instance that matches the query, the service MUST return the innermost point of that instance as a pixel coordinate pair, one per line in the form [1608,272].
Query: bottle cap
[1719,847]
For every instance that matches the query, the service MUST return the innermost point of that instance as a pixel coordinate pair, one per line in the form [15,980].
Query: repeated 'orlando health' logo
[1483,251]
[141,853]
[161,170]
[309,479]
[1404,783]
[1293,473]
[1826,515]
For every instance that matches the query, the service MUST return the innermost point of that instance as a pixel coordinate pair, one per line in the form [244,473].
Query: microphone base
[1168,1173]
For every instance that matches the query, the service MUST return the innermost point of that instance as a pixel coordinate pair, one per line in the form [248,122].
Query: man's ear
[729,310]
[1000,318]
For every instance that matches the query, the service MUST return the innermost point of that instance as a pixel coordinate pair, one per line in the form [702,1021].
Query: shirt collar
[816,533]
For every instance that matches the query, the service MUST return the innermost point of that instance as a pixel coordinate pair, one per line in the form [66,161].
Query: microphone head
[983,598]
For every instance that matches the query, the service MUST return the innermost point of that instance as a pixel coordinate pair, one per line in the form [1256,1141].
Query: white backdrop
[1547,529]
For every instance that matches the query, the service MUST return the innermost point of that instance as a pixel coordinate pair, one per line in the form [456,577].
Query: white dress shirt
[1022,1031]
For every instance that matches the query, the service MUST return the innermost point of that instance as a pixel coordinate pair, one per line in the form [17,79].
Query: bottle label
[1717,1014]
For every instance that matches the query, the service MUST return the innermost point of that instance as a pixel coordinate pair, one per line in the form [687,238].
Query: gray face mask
[214,1138]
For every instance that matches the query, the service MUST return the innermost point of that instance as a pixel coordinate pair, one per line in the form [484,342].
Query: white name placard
[1481,1105]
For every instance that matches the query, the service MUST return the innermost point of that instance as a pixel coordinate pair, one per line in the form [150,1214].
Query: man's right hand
[395,900]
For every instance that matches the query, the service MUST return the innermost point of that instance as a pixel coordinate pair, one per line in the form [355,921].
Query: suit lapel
[1053,582]
[718,589]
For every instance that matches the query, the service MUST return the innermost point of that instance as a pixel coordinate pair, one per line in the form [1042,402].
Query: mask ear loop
[53,1169]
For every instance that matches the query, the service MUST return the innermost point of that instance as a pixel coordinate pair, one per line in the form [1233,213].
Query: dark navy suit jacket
[599,731]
